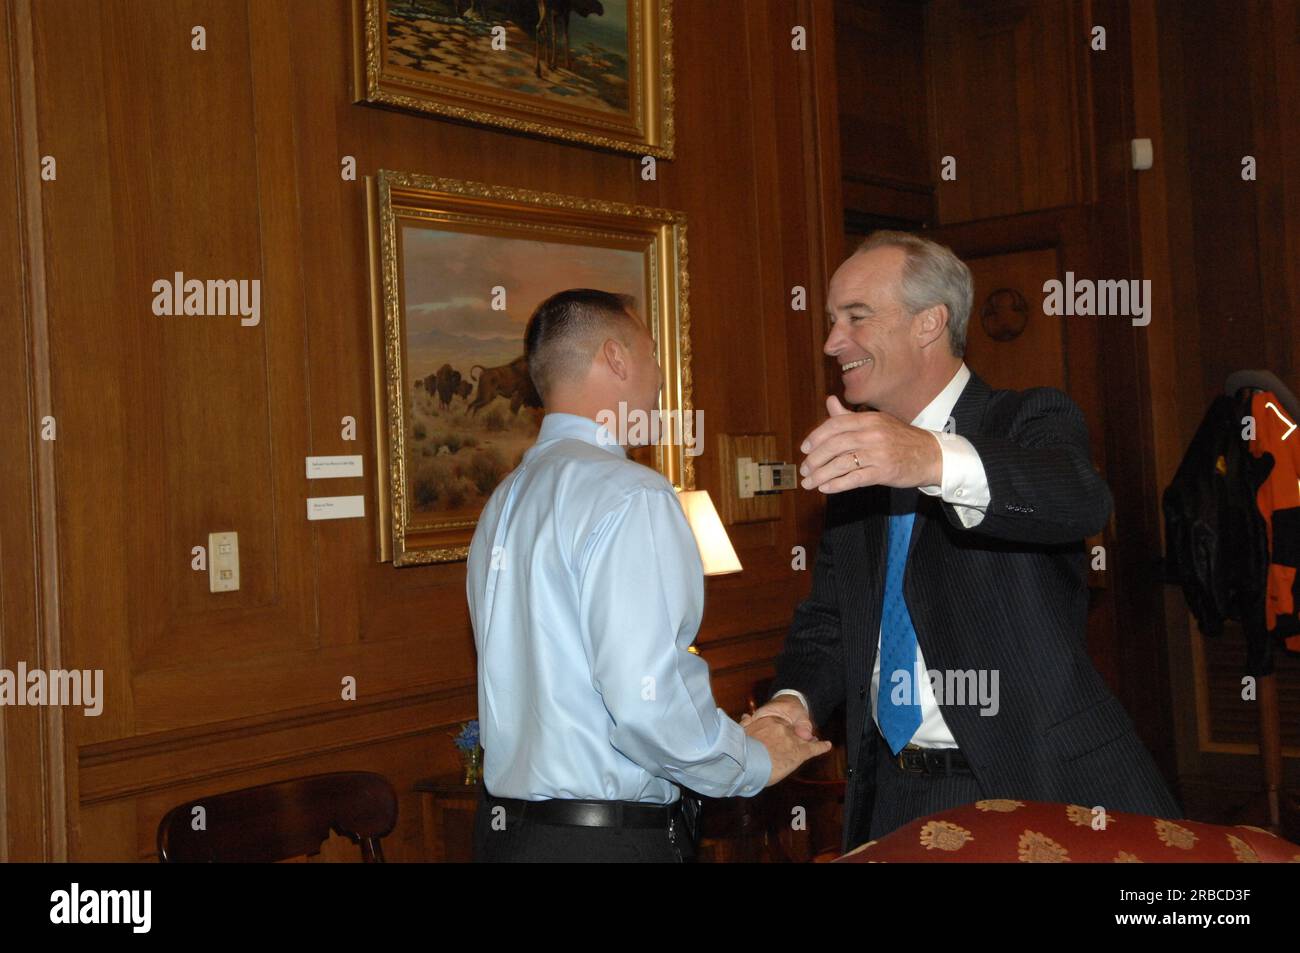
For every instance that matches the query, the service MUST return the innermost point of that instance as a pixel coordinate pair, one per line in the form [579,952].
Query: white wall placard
[336,507]
[342,465]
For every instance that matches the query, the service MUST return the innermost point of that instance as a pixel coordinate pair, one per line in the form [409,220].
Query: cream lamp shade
[716,552]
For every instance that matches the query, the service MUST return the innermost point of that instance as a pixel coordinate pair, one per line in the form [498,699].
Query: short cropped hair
[566,329]
[932,275]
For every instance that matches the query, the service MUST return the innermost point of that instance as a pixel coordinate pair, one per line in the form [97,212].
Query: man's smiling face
[871,332]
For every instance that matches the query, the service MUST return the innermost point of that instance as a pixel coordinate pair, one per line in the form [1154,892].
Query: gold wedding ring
[857,464]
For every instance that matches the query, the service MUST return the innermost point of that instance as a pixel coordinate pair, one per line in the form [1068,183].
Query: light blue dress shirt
[585,590]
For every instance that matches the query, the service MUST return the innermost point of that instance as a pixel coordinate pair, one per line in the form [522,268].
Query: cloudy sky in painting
[447,291]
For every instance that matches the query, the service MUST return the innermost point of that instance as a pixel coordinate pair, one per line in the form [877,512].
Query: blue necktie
[898,722]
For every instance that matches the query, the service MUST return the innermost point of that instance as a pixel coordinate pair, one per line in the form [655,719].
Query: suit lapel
[875,542]
[968,416]
[968,412]
[875,556]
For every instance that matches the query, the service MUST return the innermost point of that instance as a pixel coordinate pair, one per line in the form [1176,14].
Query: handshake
[785,730]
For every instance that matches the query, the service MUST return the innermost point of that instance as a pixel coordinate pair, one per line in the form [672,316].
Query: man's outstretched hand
[777,734]
[868,448]
[790,710]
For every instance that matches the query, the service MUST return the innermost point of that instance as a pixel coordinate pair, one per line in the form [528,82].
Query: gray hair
[932,275]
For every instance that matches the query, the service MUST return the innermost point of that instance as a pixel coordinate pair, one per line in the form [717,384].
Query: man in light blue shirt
[585,590]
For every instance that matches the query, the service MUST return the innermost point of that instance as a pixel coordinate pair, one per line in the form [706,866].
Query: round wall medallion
[1005,314]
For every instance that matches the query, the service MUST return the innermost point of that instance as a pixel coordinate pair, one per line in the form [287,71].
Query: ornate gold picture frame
[457,269]
[596,72]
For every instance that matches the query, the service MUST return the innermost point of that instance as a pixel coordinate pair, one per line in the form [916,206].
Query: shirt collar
[937,412]
[560,426]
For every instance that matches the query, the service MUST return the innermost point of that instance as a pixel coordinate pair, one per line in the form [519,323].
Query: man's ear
[615,357]
[931,324]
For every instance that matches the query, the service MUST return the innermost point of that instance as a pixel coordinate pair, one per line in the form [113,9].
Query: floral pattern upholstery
[1036,832]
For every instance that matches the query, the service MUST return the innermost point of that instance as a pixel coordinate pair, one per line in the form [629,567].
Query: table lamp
[716,551]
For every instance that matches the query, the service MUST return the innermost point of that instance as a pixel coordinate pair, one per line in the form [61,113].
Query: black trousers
[502,838]
[902,797]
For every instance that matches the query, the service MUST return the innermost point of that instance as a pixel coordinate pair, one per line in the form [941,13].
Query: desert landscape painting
[595,72]
[573,52]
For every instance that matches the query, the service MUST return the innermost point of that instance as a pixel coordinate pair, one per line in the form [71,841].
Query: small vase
[473,761]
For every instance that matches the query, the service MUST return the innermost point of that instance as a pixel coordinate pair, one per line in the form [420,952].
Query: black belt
[573,813]
[917,760]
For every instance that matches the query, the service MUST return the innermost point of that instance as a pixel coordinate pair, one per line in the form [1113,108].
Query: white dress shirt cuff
[799,695]
[964,485]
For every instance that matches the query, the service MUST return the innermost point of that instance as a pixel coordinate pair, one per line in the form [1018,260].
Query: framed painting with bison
[458,268]
[597,72]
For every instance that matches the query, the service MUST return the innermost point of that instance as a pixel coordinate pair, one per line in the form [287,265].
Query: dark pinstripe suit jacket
[1008,595]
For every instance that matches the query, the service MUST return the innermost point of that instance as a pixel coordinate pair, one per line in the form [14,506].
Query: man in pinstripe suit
[949,598]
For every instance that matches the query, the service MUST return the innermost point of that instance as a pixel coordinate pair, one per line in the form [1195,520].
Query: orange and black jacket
[1278,500]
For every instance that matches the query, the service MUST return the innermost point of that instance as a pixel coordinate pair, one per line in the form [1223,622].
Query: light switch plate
[1142,154]
[223,562]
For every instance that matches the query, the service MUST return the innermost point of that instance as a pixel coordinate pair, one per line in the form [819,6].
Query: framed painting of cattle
[458,268]
[597,72]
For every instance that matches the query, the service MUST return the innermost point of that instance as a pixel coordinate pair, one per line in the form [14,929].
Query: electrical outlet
[223,562]
[763,477]
[742,462]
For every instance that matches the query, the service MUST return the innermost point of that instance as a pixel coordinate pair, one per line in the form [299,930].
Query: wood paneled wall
[226,163]
[1008,86]
[1222,255]
[884,142]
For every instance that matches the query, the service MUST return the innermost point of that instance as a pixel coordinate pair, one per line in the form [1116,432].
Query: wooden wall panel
[884,126]
[1221,253]
[32,822]
[226,164]
[1282,28]
[1008,104]
[1223,224]
[1010,287]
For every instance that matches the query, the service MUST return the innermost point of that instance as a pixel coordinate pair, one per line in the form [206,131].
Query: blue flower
[468,739]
